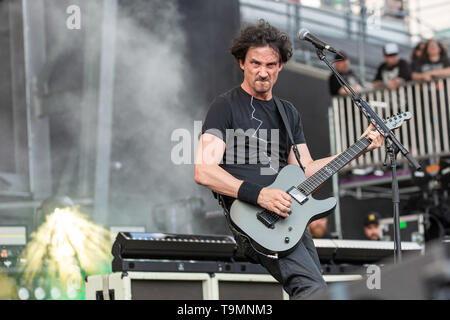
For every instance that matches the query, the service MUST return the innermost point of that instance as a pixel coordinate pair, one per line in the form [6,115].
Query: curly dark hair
[261,35]
[413,58]
[425,58]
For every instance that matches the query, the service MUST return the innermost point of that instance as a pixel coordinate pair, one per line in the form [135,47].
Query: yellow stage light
[66,248]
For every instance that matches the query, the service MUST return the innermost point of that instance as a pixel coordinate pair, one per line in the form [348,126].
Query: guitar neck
[313,182]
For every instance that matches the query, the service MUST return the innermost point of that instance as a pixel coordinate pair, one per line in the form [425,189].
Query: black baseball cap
[371,217]
[340,56]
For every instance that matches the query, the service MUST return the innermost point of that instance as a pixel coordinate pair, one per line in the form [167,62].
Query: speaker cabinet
[190,286]
[148,286]
[232,286]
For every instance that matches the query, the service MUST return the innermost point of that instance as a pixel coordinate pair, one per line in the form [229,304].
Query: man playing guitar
[248,114]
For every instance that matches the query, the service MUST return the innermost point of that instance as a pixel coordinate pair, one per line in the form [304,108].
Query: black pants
[299,272]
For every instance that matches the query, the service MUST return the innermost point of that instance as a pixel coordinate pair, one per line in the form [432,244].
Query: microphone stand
[393,147]
[392,152]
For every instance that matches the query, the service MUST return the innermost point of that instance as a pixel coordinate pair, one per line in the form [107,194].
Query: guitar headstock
[397,120]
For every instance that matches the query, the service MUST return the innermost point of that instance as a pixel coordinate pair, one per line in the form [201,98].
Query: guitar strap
[282,112]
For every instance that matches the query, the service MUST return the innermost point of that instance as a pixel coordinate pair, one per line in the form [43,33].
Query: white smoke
[153,96]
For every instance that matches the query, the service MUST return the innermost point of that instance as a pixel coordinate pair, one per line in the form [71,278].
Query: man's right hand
[275,200]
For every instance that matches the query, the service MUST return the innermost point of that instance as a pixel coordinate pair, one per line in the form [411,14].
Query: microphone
[304,34]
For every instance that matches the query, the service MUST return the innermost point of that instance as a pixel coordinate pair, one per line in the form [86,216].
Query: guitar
[274,234]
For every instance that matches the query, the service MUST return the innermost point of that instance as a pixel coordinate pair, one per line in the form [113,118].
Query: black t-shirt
[400,70]
[245,124]
[334,84]
[428,66]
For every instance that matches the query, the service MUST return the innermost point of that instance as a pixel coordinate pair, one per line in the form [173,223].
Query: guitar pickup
[268,218]
[297,195]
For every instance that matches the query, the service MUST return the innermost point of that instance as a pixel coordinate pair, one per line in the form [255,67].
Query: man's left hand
[376,138]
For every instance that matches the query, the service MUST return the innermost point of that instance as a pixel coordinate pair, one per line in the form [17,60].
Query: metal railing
[426,135]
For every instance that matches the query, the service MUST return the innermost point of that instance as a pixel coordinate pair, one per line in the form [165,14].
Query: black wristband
[249,192]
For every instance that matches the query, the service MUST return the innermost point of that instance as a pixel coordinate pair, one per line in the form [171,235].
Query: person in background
[416,54]
[318,228]
[394,71]
[371,226]
[342,65]
[433,63]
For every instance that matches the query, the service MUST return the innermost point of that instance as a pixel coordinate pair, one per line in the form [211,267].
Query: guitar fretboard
[313,182]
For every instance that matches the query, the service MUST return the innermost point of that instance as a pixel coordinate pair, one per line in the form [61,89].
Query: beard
[373,236]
